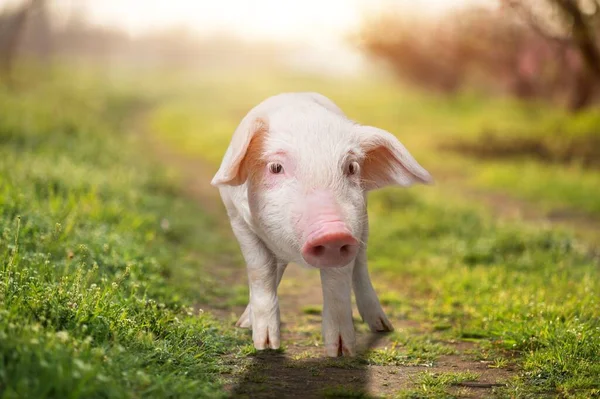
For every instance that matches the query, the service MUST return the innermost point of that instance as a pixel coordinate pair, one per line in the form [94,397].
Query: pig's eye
[353,168]
[275,168]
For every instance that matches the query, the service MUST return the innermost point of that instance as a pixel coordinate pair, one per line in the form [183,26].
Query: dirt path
[301,370]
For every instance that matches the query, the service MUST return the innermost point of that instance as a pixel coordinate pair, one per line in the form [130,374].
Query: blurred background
[540,49]
[498,97]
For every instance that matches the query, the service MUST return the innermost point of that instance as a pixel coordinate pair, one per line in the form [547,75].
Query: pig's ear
[387,162]
[246,142]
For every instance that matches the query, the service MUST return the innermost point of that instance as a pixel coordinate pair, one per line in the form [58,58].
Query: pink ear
[246,143]
[387,162]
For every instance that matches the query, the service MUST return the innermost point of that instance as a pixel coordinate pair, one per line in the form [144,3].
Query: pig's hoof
[339,338]
[379,323]
[265,330]
[265,339]
[244,321]
[340,348]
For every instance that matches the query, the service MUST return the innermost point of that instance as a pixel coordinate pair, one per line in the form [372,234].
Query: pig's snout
[331,245]
[328,240]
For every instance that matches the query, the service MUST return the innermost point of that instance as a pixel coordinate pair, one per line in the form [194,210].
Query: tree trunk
[584,39]
[583,90]
[11,30]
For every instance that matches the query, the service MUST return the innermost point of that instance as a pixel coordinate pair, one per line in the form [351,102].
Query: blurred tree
[529,48]
[12,26]
[578,25]
[37,38]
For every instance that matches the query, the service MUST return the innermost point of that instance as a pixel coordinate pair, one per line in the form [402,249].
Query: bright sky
[295,20]
[320,25]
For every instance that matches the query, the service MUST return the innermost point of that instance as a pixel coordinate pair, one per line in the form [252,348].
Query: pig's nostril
[319,250]
[345,249]
[333,249]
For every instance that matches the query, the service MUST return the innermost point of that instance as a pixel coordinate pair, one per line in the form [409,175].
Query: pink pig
[294,181]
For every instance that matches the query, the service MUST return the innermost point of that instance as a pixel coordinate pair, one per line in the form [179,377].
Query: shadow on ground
[272,374]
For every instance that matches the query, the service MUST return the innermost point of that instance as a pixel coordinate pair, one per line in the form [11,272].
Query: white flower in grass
[62,336]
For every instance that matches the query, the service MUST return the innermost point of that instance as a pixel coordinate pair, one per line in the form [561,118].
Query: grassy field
[102,256]
[105,258]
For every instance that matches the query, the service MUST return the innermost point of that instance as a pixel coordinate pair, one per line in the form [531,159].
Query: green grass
[524,290]
[512,288]
[558,138]
[553,187]
[312,310]
[410,349]
[431,385]
[101,258]
[344,392]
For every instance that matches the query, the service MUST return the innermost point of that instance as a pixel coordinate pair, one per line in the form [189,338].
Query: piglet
[294,181]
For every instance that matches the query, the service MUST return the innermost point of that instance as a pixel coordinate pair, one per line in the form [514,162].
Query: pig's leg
[338,330]
[244,321]
[366,299]
[262,279]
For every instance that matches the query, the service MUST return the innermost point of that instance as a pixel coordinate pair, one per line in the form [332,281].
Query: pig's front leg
[366,299]
[338,330]
[262,279]
[244,321]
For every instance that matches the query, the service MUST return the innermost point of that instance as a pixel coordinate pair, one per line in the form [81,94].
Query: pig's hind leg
[367,301]
[244,321]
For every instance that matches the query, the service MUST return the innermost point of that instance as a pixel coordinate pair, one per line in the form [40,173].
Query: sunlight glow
[317,28]
[278,20]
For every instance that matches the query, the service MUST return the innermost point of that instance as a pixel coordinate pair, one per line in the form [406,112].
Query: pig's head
[307,169]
